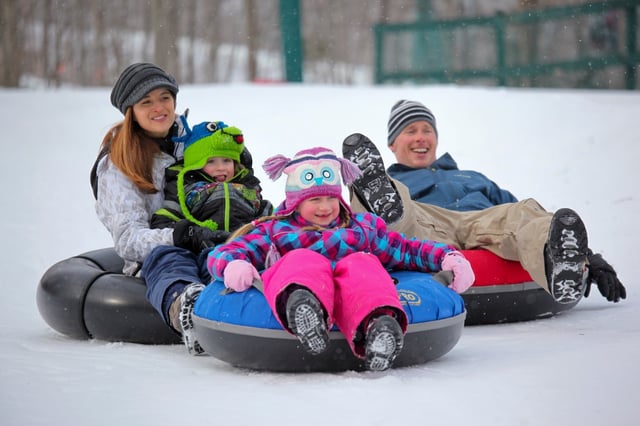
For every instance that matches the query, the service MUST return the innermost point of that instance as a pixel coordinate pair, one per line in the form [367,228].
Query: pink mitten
[463,275]
[239,274]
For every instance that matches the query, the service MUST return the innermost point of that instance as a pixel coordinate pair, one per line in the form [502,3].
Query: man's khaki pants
[513,231]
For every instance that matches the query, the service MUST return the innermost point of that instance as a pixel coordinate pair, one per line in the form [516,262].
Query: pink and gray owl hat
[313,172]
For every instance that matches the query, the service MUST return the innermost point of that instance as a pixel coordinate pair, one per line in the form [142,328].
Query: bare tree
[47,26]
[383,16]
[252,34]
[192,24]
[12,41]
[212,39]
[165,32]
[100,63]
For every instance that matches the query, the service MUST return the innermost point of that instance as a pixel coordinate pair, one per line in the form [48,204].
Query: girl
[326,265]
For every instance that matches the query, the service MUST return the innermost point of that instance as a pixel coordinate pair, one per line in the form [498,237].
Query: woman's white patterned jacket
[126,211]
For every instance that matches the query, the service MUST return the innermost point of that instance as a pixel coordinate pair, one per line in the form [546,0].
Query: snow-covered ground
[565,148]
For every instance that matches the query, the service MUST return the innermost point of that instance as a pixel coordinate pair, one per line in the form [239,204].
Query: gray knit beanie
[136,81]
[405,112]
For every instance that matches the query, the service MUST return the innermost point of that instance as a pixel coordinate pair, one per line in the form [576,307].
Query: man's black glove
[196,238]
[603,274]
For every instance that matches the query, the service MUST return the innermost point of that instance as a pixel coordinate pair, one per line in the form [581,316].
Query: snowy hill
[565,148]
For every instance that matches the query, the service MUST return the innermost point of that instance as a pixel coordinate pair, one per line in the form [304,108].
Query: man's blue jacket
[443,184]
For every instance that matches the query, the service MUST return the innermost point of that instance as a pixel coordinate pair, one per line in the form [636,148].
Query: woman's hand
[196,238]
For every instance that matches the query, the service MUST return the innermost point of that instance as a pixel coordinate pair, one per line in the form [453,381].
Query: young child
[213,193]
[326,265]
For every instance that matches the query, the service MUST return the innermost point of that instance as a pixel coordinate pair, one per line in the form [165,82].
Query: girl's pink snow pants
[357,285]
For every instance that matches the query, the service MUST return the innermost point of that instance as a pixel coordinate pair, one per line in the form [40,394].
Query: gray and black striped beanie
[405,112]
[136,81]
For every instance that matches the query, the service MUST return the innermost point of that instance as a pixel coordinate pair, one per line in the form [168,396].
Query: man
[430,198]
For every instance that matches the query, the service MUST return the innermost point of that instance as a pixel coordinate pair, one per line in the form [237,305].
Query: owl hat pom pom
[313,172]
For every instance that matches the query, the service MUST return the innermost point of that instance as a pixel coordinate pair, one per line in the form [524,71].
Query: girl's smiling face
[320,211]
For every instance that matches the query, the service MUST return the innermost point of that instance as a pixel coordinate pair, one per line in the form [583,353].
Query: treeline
[88,42]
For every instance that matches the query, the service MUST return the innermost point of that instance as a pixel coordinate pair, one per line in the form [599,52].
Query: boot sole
[567,248]
[306,321]
[373,188]
[384,343]
[187,302]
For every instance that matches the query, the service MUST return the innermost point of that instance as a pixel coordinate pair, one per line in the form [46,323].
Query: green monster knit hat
[207,139]
[211,139]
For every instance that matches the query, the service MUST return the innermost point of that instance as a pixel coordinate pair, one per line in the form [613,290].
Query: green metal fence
[590,45]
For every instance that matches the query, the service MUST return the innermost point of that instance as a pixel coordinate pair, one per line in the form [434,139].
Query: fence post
[291,39]
[420,48]
[632,26]
[498,27]
[378,35]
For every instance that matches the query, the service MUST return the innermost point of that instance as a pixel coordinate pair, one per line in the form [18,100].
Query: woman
[128,179]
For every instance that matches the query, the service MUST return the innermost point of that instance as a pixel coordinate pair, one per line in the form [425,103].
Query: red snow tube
[504,292]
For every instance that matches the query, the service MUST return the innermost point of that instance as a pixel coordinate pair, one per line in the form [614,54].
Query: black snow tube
[88,297]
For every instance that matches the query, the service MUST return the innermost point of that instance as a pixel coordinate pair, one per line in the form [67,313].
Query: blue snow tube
[240,329]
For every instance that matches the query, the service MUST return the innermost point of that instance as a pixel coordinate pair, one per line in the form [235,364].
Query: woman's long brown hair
[132,152]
